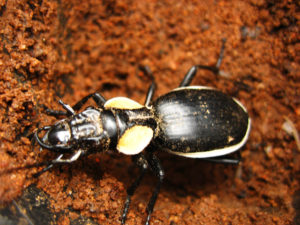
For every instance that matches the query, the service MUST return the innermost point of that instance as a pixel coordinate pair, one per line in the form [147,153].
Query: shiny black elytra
[190,121]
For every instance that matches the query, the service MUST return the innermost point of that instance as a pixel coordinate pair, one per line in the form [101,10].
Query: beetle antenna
[35,165]
[49,166]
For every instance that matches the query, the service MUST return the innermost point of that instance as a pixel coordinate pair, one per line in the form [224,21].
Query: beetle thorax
[86,124]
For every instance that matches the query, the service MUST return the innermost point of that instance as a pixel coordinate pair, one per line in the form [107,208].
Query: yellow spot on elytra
[135,139]
[122,103]
[230,139]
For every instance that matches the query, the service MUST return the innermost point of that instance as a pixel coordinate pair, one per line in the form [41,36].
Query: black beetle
[190,121]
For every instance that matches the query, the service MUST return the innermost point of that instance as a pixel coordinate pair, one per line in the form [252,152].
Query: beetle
[189,121]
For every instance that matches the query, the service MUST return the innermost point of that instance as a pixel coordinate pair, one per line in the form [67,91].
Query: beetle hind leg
[189,76]
[98,99]
[152,87]
[226,160]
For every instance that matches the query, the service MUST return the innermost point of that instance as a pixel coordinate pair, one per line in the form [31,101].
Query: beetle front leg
[60,160]
[56,113]
[98,98]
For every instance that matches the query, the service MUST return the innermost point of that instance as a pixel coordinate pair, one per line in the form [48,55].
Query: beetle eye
[59,134]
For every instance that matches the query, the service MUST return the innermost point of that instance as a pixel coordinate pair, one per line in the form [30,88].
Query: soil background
[53,50]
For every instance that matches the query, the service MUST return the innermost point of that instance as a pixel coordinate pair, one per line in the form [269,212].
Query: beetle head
[56,138]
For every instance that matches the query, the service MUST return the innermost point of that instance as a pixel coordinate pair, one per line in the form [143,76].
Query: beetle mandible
[190,121]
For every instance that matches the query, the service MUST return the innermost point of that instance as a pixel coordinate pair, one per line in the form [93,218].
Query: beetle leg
[98,98]
[73,158]
[189,76]
[142,163]
[159,172]
[221,54]
[223,160]
[226,160]
[152,87]
[50,165]
[150,93]
[59,160]
[55,113]
[69,109]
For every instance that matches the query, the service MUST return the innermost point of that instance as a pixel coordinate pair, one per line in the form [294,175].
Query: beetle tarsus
[221,54]
[130,192]
[189,76]
[226,160]
[159,172]
[152,87]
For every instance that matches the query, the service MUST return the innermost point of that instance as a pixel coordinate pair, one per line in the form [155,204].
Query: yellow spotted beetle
[190,121]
